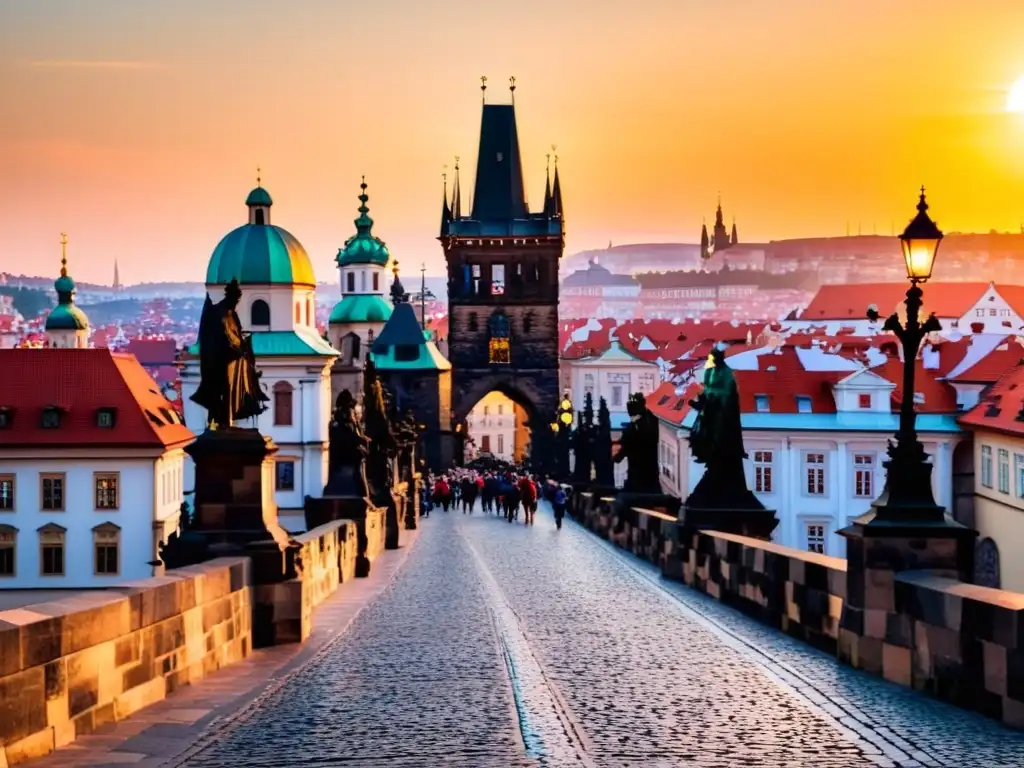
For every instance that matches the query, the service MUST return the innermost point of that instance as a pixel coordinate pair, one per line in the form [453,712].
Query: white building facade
[492,425]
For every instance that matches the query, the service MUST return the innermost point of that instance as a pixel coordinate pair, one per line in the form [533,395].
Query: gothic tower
[503,284]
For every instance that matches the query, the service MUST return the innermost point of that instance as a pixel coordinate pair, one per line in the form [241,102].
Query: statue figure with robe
[716,439]
[348,451]
[229,387]
[583,442]
[601,448]
[379,469]
[639,445]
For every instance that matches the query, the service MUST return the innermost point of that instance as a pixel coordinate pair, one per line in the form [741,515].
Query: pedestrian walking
[558,505]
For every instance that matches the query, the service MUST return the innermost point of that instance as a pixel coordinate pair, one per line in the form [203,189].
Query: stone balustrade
[956,641]
[69,666]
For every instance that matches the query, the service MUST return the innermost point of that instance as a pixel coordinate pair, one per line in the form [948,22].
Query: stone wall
[956,641]
[283,612]
[70,666]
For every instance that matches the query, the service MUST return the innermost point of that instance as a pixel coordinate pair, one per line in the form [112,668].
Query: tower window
[376,281]
[258,217]
[473,324]
[499,350]
[350,282]
[259,313]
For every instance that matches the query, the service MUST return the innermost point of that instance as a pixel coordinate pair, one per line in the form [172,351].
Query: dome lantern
[67,325]
[363,247]
[259,202]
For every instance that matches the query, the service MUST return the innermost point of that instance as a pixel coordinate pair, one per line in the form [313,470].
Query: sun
[1015,99]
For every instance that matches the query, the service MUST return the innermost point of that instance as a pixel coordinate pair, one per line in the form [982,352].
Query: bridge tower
[503,284]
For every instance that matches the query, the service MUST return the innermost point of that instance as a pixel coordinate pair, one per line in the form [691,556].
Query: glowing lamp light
[554,426]
[920,241]
[566,404]
[566,418]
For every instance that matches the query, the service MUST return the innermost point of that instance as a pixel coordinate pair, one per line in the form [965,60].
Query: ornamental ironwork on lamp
[920,241]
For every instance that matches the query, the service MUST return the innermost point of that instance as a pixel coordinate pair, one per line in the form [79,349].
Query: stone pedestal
[369,520]
[234,509]
[872,635]
[722,502]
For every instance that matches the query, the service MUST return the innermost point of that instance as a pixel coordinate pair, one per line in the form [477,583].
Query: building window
[803,404]
[864,400]
[8,542]
[815,538]
[863,475]
[350,282]
[51,550]
[1004,470]
[6,493]
[283,392]
[485,443]
[986,466]
[616,396]
[501,409]
[376,281]
[107,496]
[474,324]
[588,383]
[763,471]
[815,466]
[501,444]
[761,403]
[285,476]
[106,540]
[259,313]
[1018,468]
[51,418]
[52,492]
[487,410]
[499,351]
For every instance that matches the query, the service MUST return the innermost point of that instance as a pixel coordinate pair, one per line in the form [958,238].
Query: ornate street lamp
[908,496]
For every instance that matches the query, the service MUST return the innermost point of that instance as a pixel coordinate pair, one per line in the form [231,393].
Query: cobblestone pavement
[507,645]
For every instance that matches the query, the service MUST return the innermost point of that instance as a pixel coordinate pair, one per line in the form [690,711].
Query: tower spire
[364,223]
[556,190]
[259,180]
[117,277]
[512,87]
[549,202]
[63,254]
[446,212]
[483,89]
[457,193]
[398,294]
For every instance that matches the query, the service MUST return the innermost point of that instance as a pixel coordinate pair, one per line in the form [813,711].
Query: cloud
[87,64]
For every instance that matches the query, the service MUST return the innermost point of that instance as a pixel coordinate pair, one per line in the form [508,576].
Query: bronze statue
[229,386]
[348,451]
[717,437]
[379,469]
[639,444]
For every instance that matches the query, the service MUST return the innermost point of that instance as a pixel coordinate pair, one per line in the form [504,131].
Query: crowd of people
[501,491]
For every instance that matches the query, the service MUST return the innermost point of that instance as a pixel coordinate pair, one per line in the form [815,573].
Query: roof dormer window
[6,418]
[761,404]
[51,418]
[105,418]
[803,404]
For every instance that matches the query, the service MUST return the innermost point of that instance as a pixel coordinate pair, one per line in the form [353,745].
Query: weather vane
[512,87]
[483,88]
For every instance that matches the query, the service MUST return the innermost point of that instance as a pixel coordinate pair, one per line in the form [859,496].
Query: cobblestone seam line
[880,745]
[549,730]
[220,725]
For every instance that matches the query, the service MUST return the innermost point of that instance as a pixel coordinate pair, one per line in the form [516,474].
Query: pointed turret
[549,201]
[498,193]
[398,293]
[705,243]
[720,235]
[457,194]
[446,212]
[735,238]
[556,194]
[117,277]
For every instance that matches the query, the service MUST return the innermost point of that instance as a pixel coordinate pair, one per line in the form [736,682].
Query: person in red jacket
[442,493]
[528,494]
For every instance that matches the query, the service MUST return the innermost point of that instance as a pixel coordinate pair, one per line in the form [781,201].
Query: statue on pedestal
[721,500]
[229,386]
[583,442]
[601,450]
[348,451]
[639,445]
[379,469]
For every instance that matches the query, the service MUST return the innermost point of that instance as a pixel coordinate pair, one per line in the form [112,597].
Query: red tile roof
[153,351]
[939,396]
[81,382]
[667,405]
[1001,406]
[842,302]
[989,368]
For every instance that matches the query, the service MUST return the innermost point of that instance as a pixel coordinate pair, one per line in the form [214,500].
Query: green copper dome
[67,317]
[363,247]
[361,308]
[259,196]
[259,253]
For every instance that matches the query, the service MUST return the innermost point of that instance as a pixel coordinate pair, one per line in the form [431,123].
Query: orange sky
[137,126]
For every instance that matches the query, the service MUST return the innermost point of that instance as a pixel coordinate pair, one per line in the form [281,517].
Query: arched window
[376,281]
[499,351]
[283,392]
[8,547]
[309,311]
[259,313]
[986,564]
[298,313]
[350,282]
[258,217]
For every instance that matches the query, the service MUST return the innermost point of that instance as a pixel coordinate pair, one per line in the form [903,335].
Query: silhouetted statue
[639,445]
[604,468]
[716,439]
[379,470]
[583,442]
[348,451]
[229,386]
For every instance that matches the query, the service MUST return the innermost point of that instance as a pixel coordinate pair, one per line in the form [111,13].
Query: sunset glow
[1015,99]
[137,128]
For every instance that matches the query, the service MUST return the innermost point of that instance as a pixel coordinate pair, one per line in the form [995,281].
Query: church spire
[66,325]
[117,277]
[705,244]
[457,193]
[446,212]
[735,238]
[364,224]
[398,294]
[549,202]
[556,194]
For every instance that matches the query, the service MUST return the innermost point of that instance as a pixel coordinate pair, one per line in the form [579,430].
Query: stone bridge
[484,643]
